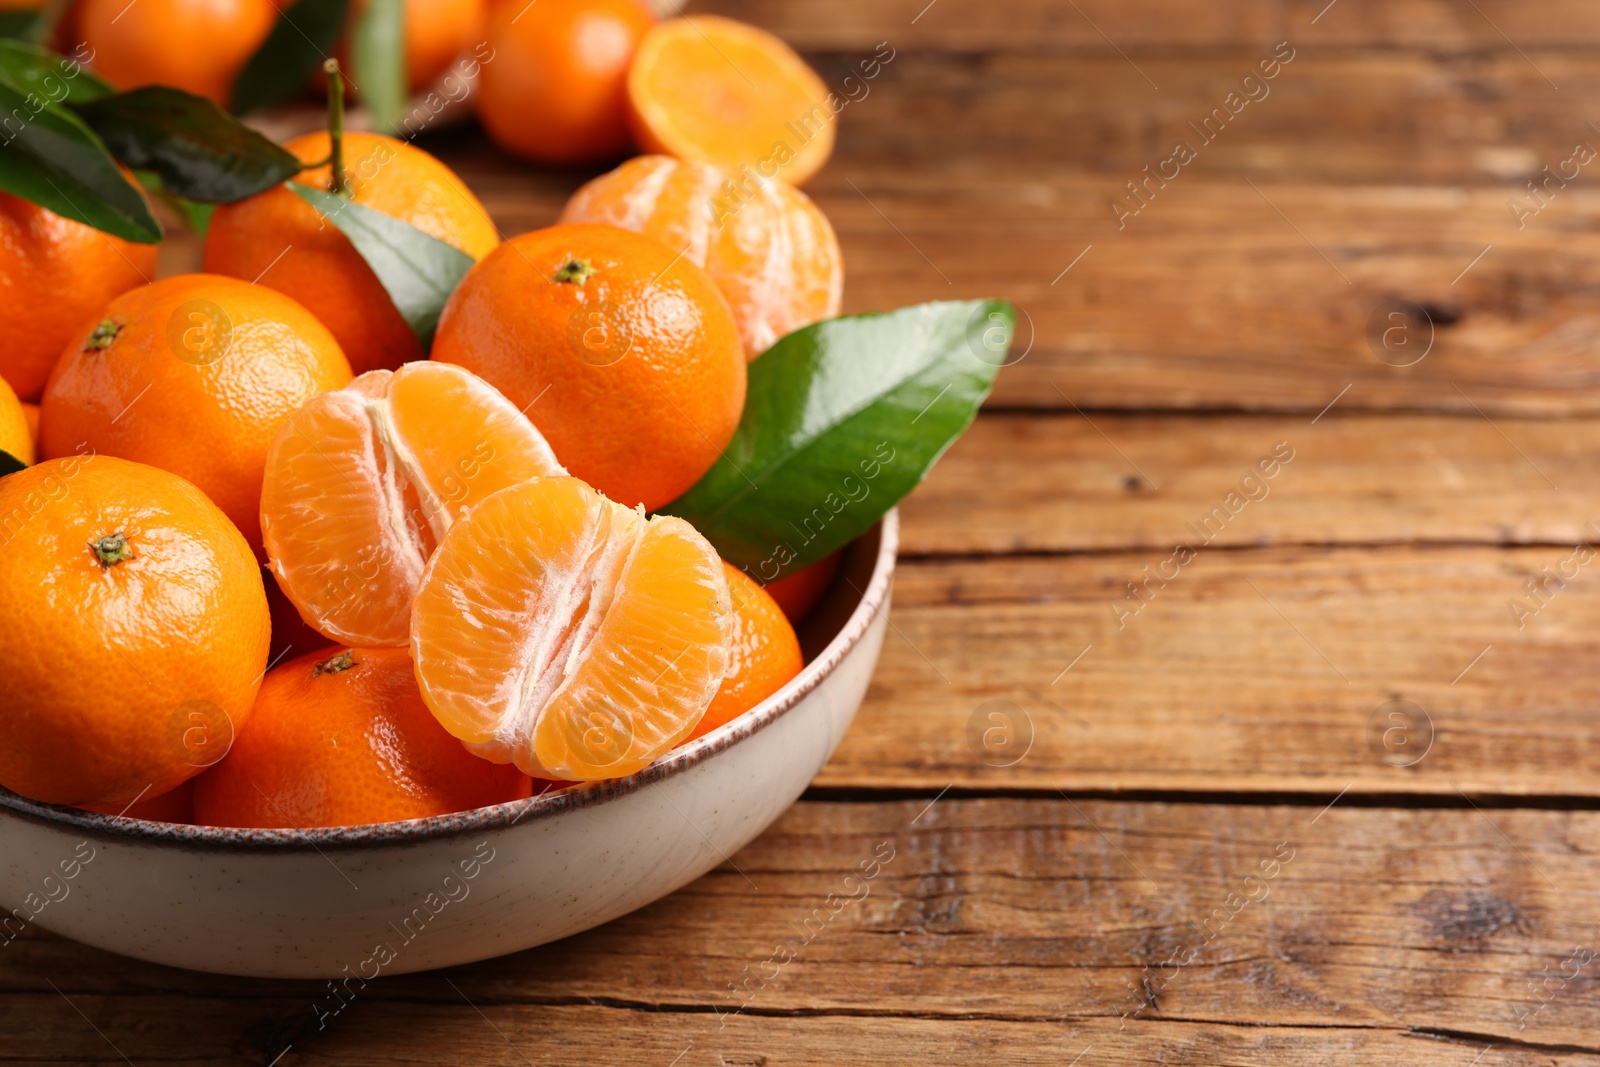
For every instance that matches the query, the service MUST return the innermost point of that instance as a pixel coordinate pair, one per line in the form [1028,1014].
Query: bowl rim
[497,816]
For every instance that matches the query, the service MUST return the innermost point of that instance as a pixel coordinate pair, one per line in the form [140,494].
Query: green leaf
[53,78]
[200,151]
[378,60]
[10,464]
[196,216]
[843,418]
[300,40]
[36,25]
[57,162]
[418,271]
[23,25]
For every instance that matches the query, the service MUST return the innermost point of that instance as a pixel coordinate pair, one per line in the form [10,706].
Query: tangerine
[766,245]
[279,240]
[133,629]
[556,91]
[797,593]
[54,274]
[764,657]
[624,354]
[193,374]
[16,431]
[340,737]
[362,483]
[199,46]
[712,89]
[175,805]
[569,635]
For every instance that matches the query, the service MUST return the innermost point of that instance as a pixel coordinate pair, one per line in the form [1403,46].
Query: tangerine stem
[338,184]
[110,549]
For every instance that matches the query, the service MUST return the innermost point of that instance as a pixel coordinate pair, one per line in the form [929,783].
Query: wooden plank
[1402,118]
[1139,25]
[1101,481]
[1224,295]
[1027,928]
[1247,671]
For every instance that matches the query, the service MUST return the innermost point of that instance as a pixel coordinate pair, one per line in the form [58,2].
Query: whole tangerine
[193,374]
[341,737]
[620,350]
[133,629]
[556,91]
[277,239]
[54,274]
[765,655]
[196,45]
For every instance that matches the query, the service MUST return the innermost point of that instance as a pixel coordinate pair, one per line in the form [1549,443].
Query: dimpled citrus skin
[196,45]
[631,367]
[54,274]
[555,92]
[195,376]
[282,242]
[337,741]
[766,245]
[764,656]
[118,675]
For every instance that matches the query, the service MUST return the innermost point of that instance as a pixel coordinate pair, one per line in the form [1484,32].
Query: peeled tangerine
[569,635]
[770,250]
[362,483]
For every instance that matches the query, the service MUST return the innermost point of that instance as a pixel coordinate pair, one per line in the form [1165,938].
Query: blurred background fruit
[437,33]
[340,737]
[767,246]
[196,45]
[193,374]
[621,351]
[54,274]
[556,90]
[764,657]
[133,629]
[610,632]
[431,438]
[281,241]
[711,89]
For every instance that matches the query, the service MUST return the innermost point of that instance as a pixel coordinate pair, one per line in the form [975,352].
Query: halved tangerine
[565,633]
[725,92]
[362,483]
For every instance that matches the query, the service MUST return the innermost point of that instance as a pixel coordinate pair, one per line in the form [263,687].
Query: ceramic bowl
[408,896]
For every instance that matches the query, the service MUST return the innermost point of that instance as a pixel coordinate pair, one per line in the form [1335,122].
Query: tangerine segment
[770,250]
[566,634]
[362,483]
[724,92]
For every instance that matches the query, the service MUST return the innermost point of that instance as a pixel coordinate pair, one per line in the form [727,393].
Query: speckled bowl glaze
[356,902]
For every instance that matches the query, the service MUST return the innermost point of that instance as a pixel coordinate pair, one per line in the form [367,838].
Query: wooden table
[1212,851]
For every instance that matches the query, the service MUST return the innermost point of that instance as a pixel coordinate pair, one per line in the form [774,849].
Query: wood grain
[1082,481]
[1021,929]
[1249,671]
[1139,25]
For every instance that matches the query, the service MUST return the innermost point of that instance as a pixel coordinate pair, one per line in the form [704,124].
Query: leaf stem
[339,184]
